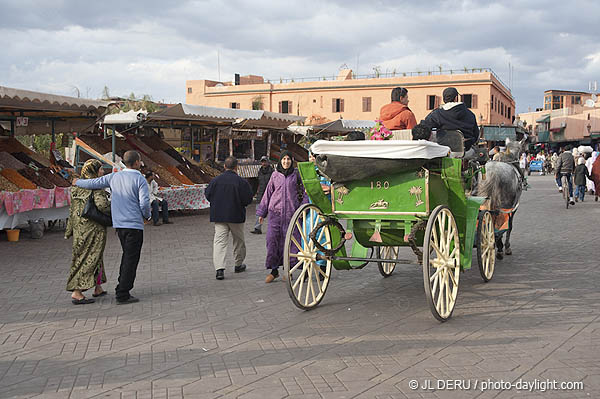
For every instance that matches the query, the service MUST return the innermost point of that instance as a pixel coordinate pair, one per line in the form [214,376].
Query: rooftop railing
[393,74]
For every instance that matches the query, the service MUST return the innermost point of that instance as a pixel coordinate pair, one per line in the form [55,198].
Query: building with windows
[349,96]
[567,116]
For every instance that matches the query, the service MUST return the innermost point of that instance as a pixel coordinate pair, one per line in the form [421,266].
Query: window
[508,113]
[432,102]
[366,104]
[588,117]
[557,102]
[189,90]
[234,105]
[575,99]
[492,102]
[285,107]
[337,105]
[470,100]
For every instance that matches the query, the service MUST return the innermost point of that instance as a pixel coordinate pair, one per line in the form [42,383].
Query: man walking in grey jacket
[565,165]
[130,206]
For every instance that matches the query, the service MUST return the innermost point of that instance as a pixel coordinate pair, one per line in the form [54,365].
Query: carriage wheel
[441,262]
[486,245]
[387,268]
[306,279]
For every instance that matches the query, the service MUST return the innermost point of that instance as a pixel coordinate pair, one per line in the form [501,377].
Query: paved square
[194,337]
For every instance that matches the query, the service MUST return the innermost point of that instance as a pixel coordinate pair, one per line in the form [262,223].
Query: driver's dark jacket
[565,163]
[455,116]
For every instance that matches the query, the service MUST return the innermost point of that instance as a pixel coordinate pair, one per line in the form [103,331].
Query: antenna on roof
[593,86]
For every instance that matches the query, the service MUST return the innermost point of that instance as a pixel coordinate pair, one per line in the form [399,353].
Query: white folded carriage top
[385,149]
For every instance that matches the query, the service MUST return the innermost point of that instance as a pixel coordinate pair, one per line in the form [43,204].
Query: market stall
[216,133]
[181,181]
[35,186]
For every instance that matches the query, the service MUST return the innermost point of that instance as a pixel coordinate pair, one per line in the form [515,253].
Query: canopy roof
[543,119]
[344,125]
[499,133]
[25,100]
[38,113]
[227,116]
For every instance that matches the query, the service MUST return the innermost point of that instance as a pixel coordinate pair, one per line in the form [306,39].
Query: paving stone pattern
[191,336]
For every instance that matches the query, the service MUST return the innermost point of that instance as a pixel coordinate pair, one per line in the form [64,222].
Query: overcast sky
[153,47]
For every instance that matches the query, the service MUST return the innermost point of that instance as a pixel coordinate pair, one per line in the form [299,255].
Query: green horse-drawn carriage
[390,194]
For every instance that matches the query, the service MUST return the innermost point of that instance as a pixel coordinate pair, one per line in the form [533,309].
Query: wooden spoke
[293,269]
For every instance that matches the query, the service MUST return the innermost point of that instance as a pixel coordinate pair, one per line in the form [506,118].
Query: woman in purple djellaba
[283,195]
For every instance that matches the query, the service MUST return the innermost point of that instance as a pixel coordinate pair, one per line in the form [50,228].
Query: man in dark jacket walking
[264,175]
[454,115]
[228,195]
[565,165]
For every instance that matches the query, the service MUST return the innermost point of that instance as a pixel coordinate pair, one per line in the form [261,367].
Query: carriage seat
[385,149]
[453,139]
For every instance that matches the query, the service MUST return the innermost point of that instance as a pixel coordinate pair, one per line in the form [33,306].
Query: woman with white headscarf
[590,161]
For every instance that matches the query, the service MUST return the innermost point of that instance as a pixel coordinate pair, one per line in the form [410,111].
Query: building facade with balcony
[348,96]
[567,116]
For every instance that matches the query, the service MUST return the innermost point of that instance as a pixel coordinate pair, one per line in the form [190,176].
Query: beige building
[350,97]
[566,116]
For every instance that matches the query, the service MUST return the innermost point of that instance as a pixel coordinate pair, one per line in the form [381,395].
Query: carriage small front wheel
[387,268]
[441,262]
[486,245]
[307,277]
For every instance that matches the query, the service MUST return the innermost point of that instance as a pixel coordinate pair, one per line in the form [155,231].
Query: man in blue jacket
[229,195]
[130,206]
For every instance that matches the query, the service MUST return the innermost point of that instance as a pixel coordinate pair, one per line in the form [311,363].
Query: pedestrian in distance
[595,173]
[565,166]
[130,206]
[264,175]
[157,203]
[581,176]
[284,194]
[229,195]
[89,239]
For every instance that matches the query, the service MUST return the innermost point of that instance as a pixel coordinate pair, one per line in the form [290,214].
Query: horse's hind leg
[510,226]
[499,246]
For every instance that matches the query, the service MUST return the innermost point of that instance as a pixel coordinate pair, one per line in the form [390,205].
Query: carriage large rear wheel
[441,262]
[387,268]
[306,277]
[486,245]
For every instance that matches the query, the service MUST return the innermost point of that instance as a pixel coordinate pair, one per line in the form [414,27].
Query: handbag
[91,212]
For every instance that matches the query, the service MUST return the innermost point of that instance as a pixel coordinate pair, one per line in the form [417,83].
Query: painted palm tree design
[416,191]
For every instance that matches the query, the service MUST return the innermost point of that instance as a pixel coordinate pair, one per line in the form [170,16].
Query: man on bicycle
[565,165]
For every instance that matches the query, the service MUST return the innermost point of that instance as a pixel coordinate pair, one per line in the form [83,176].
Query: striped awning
[248,171]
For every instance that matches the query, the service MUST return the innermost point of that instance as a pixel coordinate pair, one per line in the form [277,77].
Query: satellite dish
[219,85]
[589,103]
[594,97]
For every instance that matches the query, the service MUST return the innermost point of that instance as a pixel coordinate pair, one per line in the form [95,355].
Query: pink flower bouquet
[379,132]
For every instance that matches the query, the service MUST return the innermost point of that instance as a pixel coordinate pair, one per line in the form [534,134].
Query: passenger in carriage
[397,115]
[454,115]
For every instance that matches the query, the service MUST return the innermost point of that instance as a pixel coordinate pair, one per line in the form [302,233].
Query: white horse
[503,185]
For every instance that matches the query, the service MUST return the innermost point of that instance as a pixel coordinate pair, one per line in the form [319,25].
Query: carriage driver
[454,115]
